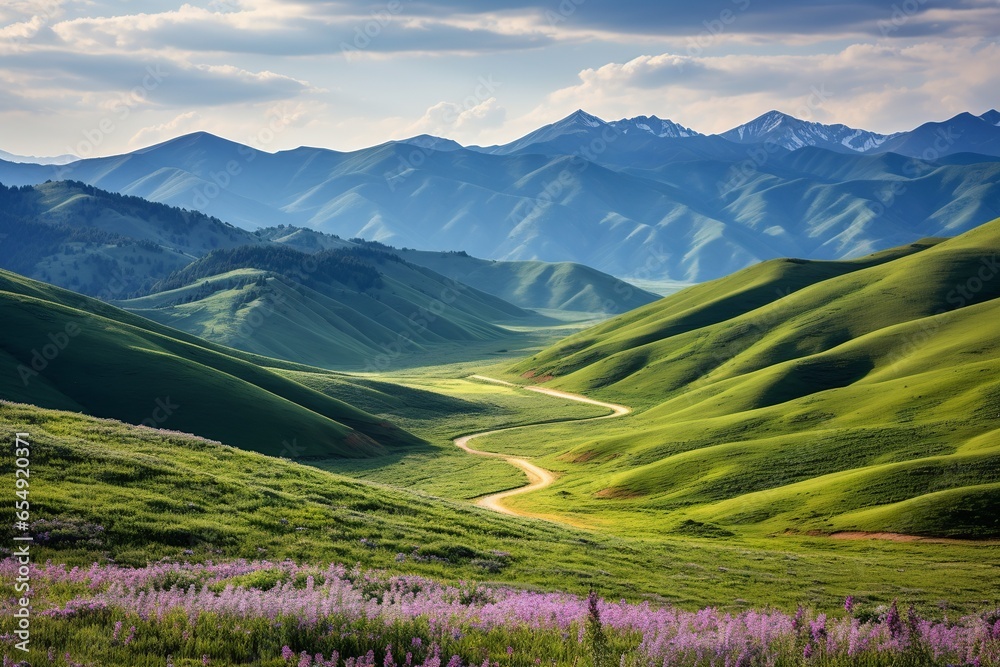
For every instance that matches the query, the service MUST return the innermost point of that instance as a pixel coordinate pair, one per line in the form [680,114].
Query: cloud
[182,124]
[297,30]
[145,80]
[452,120]
[875,86]
[818,18]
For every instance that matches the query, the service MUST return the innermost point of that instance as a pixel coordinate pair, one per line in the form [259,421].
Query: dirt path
[538,478]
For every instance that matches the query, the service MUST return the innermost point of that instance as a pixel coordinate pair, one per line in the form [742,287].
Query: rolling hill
[651,201]
[798,396]
[528,284]
[351,307]
[65,351]
[101,243]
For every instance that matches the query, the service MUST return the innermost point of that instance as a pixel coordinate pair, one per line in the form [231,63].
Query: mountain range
[291,293]
[642,198]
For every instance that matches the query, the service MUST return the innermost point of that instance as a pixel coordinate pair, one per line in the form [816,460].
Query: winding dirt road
[538,478]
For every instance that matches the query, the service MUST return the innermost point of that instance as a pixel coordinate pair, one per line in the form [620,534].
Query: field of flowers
[282,614]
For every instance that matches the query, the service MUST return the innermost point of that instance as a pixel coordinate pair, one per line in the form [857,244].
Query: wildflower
[287,653]
[807,652]
[893,622]
[304,659]
[204,660]
[849,604]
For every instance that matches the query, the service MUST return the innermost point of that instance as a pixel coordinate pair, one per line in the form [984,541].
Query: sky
[100,77]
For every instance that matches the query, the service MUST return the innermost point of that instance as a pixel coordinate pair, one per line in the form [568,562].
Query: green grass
[439,410]
[159,495]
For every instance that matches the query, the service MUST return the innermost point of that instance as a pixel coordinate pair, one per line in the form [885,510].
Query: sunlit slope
[115,364]
[826,396]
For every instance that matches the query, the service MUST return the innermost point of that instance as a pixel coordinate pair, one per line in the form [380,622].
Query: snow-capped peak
[658,127]
[581,117]
[792,133]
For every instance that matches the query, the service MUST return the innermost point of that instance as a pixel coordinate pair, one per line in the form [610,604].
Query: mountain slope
[100,243]
[338,308]
[70,352]
[803,396]
[623,199]
[791,133]
[527,284]
[560,286]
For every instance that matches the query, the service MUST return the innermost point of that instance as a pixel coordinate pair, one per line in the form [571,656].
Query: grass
[107,490]
[439,410]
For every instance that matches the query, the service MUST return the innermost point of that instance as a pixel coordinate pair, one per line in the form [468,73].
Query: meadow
[281,613]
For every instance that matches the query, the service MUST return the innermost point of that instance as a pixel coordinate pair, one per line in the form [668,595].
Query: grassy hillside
[62,350]
[106,490]
[354,307]
[795,396]
[101,243]
[528,284]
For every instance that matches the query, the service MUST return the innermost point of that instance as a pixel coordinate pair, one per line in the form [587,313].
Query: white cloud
[874,86]
[462,123]
[182,124]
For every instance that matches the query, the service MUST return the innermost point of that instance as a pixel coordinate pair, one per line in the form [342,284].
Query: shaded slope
[527,284]
[118,365]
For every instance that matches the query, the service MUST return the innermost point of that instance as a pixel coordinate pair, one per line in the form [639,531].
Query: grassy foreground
[102,490]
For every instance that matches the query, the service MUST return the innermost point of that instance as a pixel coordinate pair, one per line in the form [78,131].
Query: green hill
[352,307]
[528,284]
[794,395]
[101,243]
[65,351]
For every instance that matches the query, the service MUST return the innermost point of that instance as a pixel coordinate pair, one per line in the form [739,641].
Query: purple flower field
[287,614]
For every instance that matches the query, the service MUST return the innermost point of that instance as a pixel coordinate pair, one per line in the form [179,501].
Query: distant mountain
[617,197]
[653,125]
[432,143]
[791,133]
[964,133]
[644,141]
[33,159]
[110,363]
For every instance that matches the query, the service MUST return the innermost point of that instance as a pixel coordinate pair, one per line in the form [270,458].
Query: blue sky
[95,77]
